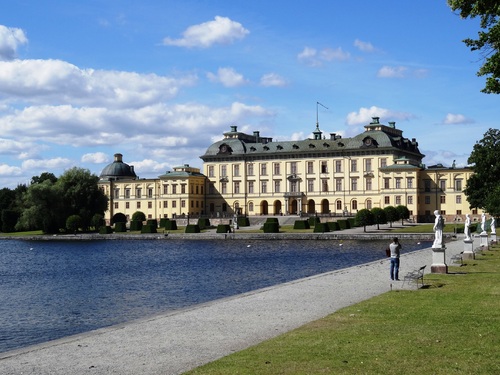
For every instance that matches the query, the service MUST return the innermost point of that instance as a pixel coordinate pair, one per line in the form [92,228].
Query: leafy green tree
[488,42]
[379,216]
[118,218]
[73,223]
[97,222]
[483,187]
[7,198]
[81,195]
[391,214]
[403,213]
[44,176]
[8,218]
[364,217]
[139,216]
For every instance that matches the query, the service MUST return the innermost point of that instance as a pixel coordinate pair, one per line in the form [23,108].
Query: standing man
[395,247]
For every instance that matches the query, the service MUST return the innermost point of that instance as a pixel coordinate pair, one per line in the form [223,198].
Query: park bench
[415,276]
[457,258]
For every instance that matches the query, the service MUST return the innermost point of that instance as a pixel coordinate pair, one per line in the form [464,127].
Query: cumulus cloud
[221,30]
[392,72]
[95,158]
[273,79]
[11,39]
[364,115]
[364,46]
[47,164]
[312,57]
[227,77]
[56,81]
[453,119]
[8,170]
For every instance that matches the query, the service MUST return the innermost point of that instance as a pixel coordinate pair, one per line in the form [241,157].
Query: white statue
[467,228]
[493,226]
[438,230]
[483,223]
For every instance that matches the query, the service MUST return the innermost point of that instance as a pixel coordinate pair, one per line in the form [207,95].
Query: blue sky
[159,80]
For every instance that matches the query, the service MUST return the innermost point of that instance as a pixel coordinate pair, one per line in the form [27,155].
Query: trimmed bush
[272,220]
[148,228]
[301,224]
[171,225]
[321,228]
[152,222]
[105,230]
[271,227]
[243,221]
[352,222]
[223,228]
[333,225]
[192,228]
[163,222]
[344,224]
[204,222]
[120,227]
[313,221]
[135,225]
[118,218]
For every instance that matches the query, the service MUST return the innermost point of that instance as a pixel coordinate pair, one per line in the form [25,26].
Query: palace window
[250,169]
[354,165]
[236,187]
[127,193]
[398,200]
[183,203]
[354,184]
[339,205]
[409,182]
[398,182]
[127,204]
[237,170]
[150,193]
[223,187]
[263,187]
[293,167]
[338,184]
[138,204]
[410,199]
[165,189]
[427,199]
[387,183]
[310,167]
[368,165]
[458,185]
[338,166]
[165,204]
[354,205]
[223,170]
[310,185]
[174,189]
[459,199]
[324,186]
[369,204]
[442,185]
[368,184]
[138,192]
[277,186]
[117,193]
[250,187]
[324,166]
[383,163]
[263,169]
[150,204]
[211,171]
[277,170]
[183,189]
[116,205]
[387,199]
[174,204]
[442,199]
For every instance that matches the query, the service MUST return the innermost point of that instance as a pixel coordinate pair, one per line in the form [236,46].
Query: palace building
[327,175]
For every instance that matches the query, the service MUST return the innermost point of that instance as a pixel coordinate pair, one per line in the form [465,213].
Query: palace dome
[118,170]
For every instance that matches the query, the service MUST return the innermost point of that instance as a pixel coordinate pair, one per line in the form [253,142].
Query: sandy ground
[176,342]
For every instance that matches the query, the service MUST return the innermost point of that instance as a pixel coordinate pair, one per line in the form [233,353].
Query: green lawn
[451,326]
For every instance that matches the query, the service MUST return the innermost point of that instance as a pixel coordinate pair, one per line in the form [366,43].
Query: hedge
[313,221]
[204,222]
[271,227]
[321,228]
[301,224]
[152,222]
[344,224]
[192,228]
[333,225]
[272,220]
[352,222]
[243,221]
[171,225]
[120,227]
[135,225]
[223,228]
[106,230]
[148,228]
[163,222]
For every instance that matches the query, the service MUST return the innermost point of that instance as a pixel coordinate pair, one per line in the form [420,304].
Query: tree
[73,223]
[118,218]
[44,176]
[97,222]
[379,216]
[391,214]
[488,42]
[482,187]
[364,217]
[403,213]
[139,216]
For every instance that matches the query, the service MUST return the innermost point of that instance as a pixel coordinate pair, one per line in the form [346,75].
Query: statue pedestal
[484,241]
[468,253]
[438,260]
[493,238]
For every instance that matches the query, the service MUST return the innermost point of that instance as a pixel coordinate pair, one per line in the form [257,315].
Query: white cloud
[364,46]
[392,72]
[8,170]
[312,57]
[59,82]
[364,115]
[227,77]
[221,30]
[95,158]
[273,79]
[453,119]
[46,164]
[10,40]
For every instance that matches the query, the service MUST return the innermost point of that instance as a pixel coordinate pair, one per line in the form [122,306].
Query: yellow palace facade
[326,175]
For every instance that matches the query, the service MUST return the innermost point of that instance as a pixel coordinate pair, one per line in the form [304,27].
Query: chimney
[234,128]
[375,120]
[256,134]
[392,124]
[118,158]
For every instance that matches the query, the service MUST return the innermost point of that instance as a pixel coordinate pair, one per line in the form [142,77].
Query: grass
[451,326]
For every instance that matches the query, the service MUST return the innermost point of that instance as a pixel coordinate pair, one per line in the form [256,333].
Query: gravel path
[176,342]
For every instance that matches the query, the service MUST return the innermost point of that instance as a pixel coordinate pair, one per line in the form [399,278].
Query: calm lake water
[49,290]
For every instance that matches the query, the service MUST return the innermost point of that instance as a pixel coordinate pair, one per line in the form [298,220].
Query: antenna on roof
[317,120]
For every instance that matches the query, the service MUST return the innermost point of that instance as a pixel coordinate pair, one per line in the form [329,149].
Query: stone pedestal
[438,260]
[468,253]
[493,238]
[484,241]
